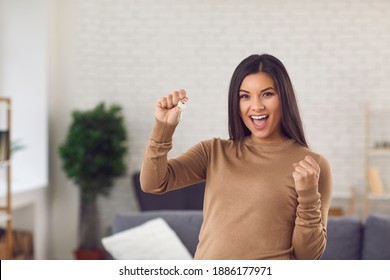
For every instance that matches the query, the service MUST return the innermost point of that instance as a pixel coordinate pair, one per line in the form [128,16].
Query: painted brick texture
[133,52]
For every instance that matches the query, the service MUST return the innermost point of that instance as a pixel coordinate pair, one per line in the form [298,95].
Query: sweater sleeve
[309,236]
[158,174]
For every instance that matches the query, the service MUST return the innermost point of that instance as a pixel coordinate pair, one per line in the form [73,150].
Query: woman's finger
[305,164]
[169,99]
[162,102]
[182,94]
[299,169]
[312,162]
[175,98]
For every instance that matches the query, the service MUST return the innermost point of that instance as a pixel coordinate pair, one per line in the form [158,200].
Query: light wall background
[133,52]
[24,79]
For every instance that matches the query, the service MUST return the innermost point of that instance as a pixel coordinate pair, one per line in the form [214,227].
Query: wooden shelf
[4,218]
[373,153]
[350,197]
[342,195]
[379,152]
[4,163]
[6,209]
[379,196]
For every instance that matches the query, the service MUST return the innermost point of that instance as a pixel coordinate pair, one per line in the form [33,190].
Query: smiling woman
[267,194]
[260,108]
[265,82]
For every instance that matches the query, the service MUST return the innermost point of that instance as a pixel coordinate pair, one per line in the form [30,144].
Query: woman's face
[260,108]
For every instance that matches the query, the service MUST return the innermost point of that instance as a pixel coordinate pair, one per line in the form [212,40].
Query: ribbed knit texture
[251,208]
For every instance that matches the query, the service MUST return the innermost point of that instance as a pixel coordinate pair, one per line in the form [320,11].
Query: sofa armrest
[344,238]
[376,245]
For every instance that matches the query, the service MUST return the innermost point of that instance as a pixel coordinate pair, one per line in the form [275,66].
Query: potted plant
[93,156]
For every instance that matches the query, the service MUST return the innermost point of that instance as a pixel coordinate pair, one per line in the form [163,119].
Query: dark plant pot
[96,254]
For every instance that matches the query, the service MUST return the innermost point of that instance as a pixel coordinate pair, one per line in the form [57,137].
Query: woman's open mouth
[259,121]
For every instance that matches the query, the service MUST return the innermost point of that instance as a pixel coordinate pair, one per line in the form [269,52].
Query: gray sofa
[348,237]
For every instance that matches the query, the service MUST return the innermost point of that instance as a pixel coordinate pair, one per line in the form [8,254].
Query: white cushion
[153,240]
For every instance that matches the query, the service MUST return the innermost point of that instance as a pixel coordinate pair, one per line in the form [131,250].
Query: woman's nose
[258,105]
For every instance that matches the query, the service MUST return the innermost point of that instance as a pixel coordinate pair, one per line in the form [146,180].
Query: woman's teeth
[259,120]
[259,117]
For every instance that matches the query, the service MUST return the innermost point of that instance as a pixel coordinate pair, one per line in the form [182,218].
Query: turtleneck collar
[268,146]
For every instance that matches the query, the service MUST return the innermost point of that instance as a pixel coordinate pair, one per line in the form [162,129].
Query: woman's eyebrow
[268,88]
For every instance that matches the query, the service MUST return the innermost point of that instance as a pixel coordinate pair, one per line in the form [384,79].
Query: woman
[267,194]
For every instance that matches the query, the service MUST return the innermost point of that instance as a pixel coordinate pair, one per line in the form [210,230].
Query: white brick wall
[133,52]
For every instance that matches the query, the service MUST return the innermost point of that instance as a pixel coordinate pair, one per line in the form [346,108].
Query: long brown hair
[291,121]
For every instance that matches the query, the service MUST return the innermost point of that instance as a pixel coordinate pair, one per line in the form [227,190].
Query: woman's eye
[244,96]
[268,93]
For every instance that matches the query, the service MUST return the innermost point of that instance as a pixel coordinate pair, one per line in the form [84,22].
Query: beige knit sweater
[251,208]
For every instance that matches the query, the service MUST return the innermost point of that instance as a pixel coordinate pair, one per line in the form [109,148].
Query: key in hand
[182,106]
